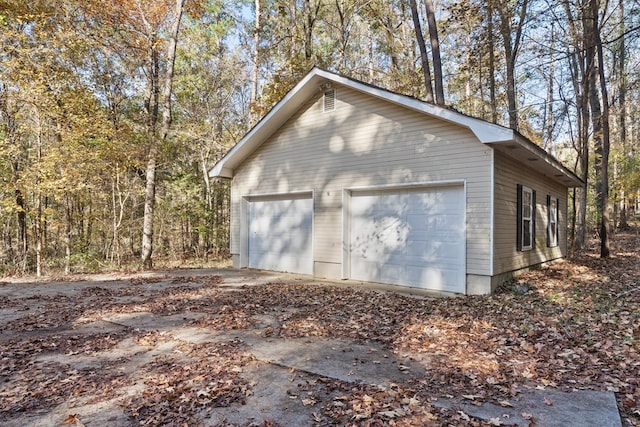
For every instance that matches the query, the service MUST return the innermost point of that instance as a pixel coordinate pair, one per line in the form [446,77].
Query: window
[329,100]
[552,223]
[526,218]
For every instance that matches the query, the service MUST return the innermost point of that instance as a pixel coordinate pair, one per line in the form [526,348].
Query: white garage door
[280,233]
[410,237]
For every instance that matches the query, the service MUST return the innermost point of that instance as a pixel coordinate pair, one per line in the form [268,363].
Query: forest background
[112,113]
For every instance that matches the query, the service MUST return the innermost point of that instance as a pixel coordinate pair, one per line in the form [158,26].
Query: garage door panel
[280,234]
[417,222]
[363,269]
[392,272]
[409,237]
[436,278]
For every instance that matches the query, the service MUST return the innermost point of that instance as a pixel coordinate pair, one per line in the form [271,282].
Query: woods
[112,114]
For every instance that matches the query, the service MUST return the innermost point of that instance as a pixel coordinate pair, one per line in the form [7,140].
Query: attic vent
[329,103]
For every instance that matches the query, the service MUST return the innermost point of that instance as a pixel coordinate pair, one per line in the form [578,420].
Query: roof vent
[329,100]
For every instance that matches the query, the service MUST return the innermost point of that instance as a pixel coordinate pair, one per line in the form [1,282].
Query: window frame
[522,219]
[553,217]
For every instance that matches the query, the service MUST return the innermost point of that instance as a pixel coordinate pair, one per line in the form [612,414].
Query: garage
[408,236]
[280,232]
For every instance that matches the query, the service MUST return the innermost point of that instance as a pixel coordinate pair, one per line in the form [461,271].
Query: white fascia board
[220,171]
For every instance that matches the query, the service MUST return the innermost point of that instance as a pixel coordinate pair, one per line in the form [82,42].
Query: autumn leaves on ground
[573,325]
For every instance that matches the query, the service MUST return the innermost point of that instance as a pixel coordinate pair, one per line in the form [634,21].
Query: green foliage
[74,124]
[86,260]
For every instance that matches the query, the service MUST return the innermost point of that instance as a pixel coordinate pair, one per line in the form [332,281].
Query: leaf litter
[572,325]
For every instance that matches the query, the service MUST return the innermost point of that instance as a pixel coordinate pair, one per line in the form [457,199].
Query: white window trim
[530,218]
[553,221]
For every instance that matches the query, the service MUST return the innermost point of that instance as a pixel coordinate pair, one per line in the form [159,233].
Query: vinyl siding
[508,174]
[366,142]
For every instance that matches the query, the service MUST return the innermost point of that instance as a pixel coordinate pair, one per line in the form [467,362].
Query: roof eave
[484,131]
[537,158]
[283,110]
[487,133]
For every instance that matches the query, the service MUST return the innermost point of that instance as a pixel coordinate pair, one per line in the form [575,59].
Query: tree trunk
[622,113]
[511,44]
[602,149]
[435,52]
[583,152]
[38,229]
[67,237]
[256,64]
[579,71]
[473,64]
[22,224]
[423,51]
[548,115]
[511,88]
[492,64]
[115,246]
[309,23]
[150,190]
[149,204]
[371,58]
[393,52]
[344,36]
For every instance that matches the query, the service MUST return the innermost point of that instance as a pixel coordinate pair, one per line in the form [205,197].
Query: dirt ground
[184,347]
[224,347]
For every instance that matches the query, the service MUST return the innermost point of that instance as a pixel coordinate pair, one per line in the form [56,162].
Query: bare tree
[602,134]
[511,33]
[256,62]
[622,102]
[435,52]
[580,64]
[423,50]
[548,106]
[492,63]
[160,137]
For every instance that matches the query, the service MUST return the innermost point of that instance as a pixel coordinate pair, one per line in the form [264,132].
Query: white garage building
[346,180]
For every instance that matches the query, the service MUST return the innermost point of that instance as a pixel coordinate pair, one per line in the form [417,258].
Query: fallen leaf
[527,374]
[464,416]
[367,399]
[308,401]
[73,419]
[388,414]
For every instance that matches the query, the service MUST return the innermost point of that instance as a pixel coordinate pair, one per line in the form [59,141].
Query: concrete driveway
[123,350]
